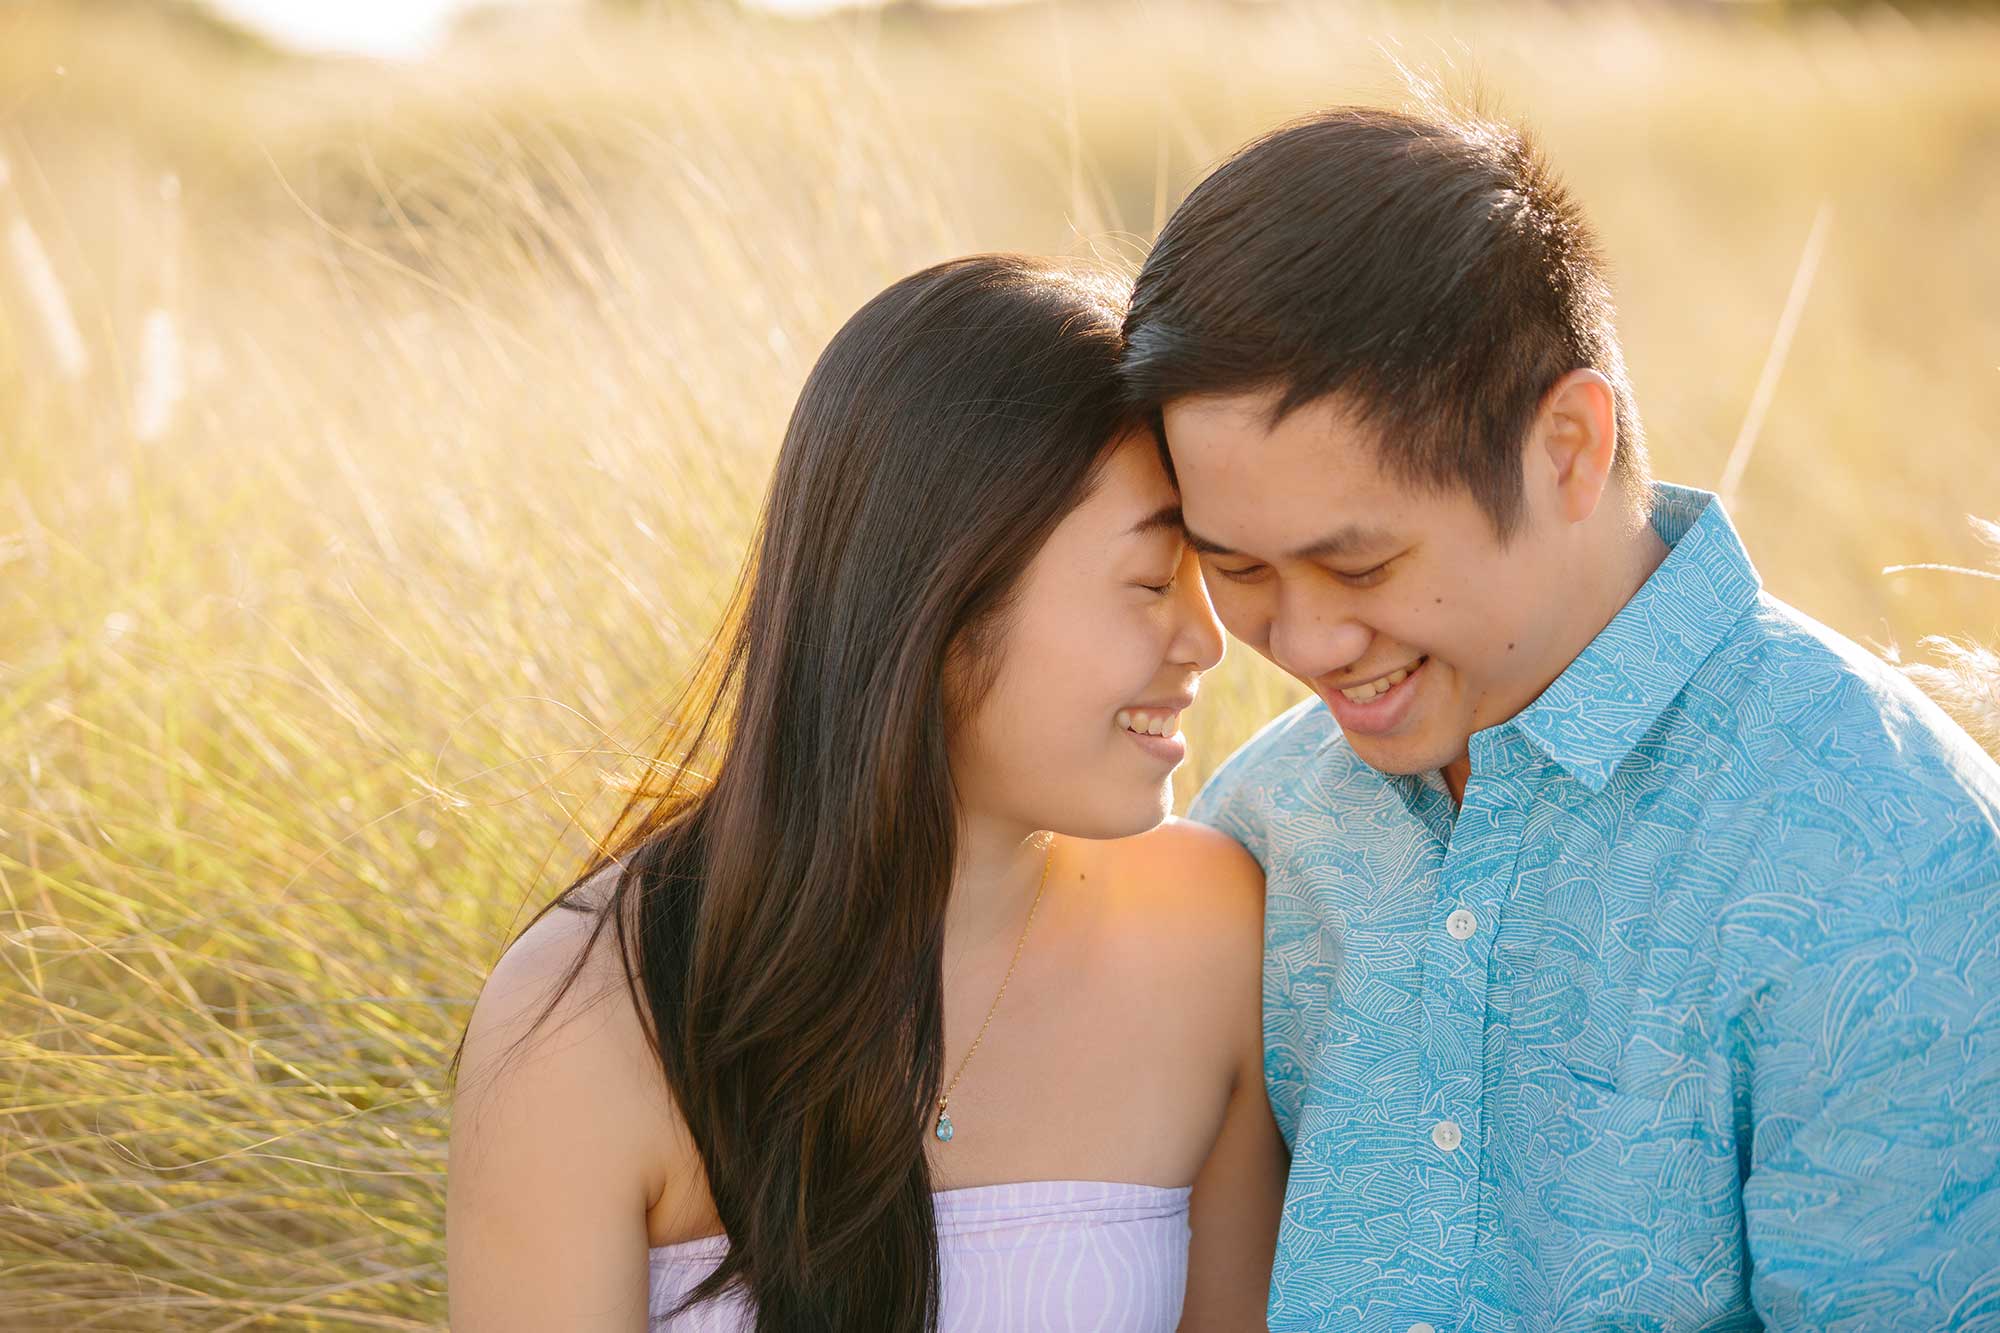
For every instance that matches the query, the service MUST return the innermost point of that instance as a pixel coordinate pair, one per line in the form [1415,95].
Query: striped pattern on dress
[1080,1256]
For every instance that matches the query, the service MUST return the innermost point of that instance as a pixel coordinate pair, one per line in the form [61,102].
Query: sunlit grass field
[377,444]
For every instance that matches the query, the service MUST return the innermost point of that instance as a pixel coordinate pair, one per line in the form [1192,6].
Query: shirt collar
[1608,699]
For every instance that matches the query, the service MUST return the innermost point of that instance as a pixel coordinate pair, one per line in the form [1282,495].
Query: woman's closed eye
[1168,575]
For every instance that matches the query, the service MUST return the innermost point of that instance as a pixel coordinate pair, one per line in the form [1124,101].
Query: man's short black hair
[1433,273]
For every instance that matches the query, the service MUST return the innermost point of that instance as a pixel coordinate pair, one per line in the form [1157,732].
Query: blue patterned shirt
[1689,1018]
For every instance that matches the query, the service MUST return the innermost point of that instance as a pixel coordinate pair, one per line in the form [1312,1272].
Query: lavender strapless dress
[1067,1256]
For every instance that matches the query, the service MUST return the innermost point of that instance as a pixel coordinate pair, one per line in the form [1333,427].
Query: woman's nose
[1201,640]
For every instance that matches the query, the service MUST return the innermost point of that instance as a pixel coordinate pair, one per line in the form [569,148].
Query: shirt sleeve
[1237,800]
[1222,803]
[1873,1195]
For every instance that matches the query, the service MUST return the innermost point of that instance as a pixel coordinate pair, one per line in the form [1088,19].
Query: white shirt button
[1447,1135]
[1461,924]
[1422,1328]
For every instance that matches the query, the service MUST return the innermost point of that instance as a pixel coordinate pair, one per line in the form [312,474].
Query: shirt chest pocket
[1619,1201]
[1566,1010]
[1612,1018]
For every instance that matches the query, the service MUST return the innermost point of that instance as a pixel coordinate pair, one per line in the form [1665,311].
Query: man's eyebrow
[1166,516]
[1342,541]
[1345,541]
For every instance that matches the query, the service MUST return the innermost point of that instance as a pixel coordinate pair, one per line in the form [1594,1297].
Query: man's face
[1398,606]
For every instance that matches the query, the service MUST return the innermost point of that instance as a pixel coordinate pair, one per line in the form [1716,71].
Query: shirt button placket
[1458,1012]
[1478,867]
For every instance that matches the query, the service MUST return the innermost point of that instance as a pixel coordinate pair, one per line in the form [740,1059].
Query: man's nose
[1312,637]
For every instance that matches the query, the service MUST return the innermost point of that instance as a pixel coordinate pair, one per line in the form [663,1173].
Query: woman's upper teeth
[1362,693]
[1148,722]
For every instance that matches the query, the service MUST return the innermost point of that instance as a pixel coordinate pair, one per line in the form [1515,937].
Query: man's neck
[1636,555]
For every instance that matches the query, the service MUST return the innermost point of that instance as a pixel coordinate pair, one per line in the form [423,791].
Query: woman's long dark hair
[781,920]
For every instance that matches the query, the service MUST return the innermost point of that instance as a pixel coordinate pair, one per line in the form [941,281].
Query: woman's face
[1105,641]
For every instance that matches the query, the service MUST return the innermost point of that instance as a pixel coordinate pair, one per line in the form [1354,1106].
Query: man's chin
[1401,756]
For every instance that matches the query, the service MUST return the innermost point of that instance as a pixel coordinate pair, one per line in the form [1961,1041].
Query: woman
[889,1022]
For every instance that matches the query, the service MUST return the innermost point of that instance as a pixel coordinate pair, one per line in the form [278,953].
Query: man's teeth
[1148,723]
[1361,694]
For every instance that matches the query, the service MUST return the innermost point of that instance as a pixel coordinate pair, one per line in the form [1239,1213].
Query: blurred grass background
[411,419]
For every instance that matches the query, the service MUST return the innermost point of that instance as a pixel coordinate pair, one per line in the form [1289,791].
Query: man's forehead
[1333,540]
[1248,409]
[1244,429]
[1304,489]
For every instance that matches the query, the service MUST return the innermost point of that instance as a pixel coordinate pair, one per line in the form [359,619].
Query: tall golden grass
[413,421]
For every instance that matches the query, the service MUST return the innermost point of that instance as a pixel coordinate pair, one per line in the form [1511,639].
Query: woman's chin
[1117,810]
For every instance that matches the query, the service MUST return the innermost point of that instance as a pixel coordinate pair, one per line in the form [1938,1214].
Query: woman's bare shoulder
[1190,889]
[556,1051]
[557,984]
[1190,861]
[555,1154]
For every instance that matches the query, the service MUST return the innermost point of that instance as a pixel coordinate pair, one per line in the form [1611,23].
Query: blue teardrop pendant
[944,1125]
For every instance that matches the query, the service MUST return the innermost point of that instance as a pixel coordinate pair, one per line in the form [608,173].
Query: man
[1633,941]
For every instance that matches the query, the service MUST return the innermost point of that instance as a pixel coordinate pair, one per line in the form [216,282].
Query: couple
[1615,947]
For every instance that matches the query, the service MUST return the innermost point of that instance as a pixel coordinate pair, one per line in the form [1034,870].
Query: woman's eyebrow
[1207,547]
[1166,516]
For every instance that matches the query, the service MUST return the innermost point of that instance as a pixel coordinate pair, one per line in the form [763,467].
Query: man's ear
[1578,428]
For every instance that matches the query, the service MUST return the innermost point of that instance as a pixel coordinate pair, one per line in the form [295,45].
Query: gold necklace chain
[944,1129]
